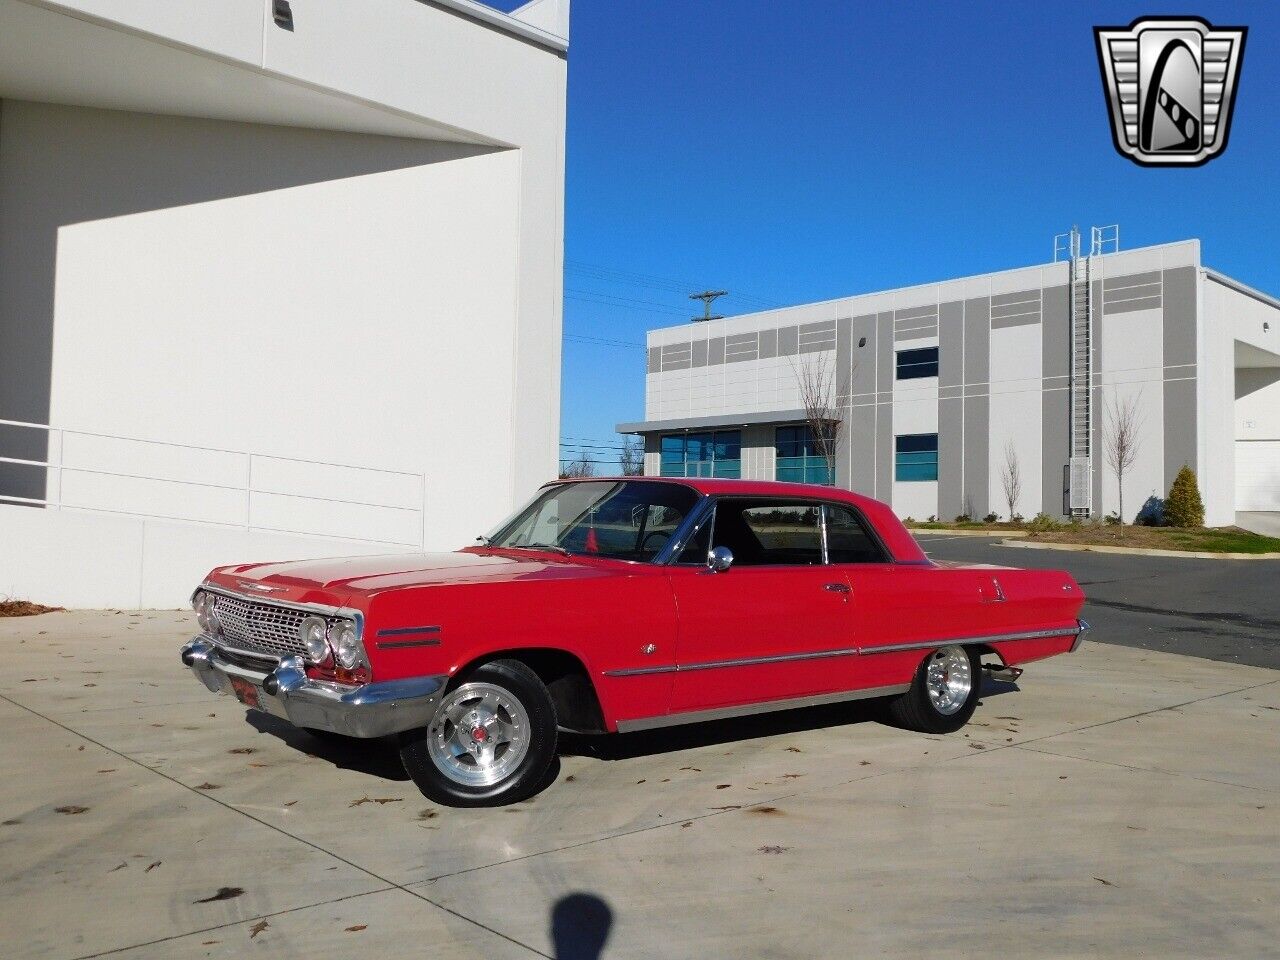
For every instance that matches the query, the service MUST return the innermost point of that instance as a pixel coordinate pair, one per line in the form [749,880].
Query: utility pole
[706,296]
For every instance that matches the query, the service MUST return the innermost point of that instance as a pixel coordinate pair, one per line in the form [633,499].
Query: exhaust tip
[188,658]
[271,684]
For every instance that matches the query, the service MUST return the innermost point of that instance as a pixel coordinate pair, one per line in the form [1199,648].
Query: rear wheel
[943,694]
[491,741]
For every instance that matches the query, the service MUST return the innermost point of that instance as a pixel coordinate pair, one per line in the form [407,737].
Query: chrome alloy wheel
[949,679]
[479,735]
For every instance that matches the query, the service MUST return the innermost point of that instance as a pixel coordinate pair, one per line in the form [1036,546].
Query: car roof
[721,486]
[902,545]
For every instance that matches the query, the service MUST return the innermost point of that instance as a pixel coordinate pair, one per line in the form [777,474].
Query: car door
[776,625]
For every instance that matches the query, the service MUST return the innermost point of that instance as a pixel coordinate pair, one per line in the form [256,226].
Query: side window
[769,533]
[847,538]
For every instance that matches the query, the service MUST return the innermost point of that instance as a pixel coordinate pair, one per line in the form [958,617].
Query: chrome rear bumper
[1082,627]
[371,710]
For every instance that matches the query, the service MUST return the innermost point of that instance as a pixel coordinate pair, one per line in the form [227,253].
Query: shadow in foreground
[580,924]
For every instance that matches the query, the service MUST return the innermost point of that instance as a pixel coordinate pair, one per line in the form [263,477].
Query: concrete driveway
[1120,803]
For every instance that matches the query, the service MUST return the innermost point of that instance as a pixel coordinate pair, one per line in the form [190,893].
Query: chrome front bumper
[371,710]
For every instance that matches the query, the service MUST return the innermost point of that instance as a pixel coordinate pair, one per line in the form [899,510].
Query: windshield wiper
[553,547]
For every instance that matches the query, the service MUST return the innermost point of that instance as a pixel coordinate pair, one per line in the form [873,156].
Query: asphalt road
[1227,610]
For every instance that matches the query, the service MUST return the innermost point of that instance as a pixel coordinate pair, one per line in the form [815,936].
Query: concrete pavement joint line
[233,923]
[248,816]
[1103,723]
[843,783]
[1138,769]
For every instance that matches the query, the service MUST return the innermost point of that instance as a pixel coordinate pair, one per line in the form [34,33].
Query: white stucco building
[937,381]
[276,280]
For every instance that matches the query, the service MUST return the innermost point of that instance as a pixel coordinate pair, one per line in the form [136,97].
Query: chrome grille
[261,627]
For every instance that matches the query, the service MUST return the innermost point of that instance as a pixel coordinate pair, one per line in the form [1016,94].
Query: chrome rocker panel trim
[747,709]
[1079,631]
[372,710]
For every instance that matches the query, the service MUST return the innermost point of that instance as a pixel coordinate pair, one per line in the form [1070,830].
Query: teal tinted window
[915,457]
[798,459]
[710,454]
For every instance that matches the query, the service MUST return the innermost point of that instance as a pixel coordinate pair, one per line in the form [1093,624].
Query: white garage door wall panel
[366,320]
[1257,475]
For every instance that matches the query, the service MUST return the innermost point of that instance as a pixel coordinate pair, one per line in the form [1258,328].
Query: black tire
[519,683]
[915,709]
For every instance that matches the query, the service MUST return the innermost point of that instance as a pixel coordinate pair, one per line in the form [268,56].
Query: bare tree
[631,459]
[1121,438]
[820,396]
[577,469]
[1011,478]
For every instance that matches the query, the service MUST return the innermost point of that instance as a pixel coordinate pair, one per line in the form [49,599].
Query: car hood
[378,573]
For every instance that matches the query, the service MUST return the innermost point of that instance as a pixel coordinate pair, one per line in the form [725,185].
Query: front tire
[943,694]
[491,741]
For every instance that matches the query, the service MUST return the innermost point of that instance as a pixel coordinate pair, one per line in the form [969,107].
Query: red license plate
[245,692]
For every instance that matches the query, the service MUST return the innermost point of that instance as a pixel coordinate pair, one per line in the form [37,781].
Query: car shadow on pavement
[377,758]
[626,746]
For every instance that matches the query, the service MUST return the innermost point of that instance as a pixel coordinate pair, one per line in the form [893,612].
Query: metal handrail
[55,468]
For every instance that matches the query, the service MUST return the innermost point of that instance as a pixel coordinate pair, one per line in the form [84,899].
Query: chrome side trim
[400,644]
[1079,631]
[406,631]
[989,638]
[748,709]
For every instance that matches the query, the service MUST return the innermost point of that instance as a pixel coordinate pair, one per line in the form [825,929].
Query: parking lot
[1118,802]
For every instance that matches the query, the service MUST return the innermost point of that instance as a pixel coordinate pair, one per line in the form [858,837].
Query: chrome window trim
[703,510]
[1078,631]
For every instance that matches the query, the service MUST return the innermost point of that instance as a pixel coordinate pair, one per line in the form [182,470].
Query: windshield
[622,519]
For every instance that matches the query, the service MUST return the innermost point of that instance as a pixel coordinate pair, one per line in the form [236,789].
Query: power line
[604,342]
[601,272]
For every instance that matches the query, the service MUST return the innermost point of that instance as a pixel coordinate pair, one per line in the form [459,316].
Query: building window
[916,457]
[914,364]
[716,454]
[799,460]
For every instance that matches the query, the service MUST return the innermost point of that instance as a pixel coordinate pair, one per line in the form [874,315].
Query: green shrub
[963,518]
[1112,519]
[991,518]
[1183,507]
[1043,523]
[1016,518]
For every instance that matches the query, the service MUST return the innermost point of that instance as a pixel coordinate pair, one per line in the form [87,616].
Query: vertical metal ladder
[1080,475]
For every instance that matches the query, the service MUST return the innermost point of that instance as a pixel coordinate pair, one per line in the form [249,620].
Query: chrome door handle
[837,587]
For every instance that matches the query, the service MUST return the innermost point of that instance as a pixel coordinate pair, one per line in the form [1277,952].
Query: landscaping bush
[1112,519]
[1183,507]
[933,518]
[1043,523]
[963,518]
[1016,518]
[1151,514]
[991,518]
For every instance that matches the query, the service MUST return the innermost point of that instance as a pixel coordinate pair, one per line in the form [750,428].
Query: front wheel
[491,741]
[943,694]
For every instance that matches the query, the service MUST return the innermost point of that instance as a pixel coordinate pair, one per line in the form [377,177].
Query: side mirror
[719,559]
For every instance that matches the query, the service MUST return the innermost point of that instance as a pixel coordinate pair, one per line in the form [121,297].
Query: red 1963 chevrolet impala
[619,605]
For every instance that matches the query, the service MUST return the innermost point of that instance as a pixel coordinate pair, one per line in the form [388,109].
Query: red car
[612,605]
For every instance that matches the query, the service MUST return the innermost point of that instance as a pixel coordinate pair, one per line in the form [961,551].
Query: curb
[915,531]
[1138,551]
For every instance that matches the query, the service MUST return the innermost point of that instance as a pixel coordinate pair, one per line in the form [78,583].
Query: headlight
[313,630]
[346,645]
[203,604]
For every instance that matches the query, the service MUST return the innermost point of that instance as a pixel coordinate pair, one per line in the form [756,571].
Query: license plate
[246,692]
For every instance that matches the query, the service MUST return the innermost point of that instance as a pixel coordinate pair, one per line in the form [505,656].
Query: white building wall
[1016,416]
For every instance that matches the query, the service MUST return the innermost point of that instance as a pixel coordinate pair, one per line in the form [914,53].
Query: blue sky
[804,150]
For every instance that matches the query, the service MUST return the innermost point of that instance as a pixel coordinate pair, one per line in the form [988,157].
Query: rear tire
[943,694]
[491,741]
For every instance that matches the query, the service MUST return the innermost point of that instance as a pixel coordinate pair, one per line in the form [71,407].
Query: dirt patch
[24,608]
